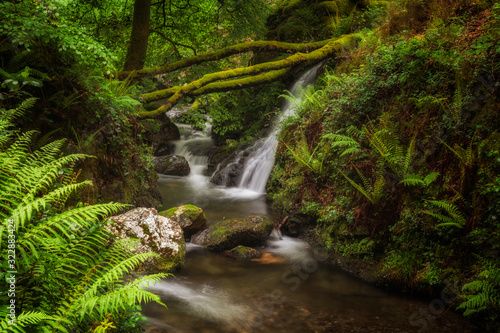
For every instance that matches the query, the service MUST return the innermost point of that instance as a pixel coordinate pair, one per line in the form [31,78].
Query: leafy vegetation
[67,275]
[407,133]
[394,155]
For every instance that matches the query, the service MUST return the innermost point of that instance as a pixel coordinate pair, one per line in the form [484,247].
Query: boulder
[243,253]
[190,218]
[172,165]
[155,233]
[225,235]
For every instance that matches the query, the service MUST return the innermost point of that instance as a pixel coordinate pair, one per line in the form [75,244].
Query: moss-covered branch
[255,75]
[256,46]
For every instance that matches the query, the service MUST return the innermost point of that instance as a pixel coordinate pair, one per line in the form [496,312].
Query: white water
[260,163]
[204,301]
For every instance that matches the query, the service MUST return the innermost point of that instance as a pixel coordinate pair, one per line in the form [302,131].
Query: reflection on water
[214,293]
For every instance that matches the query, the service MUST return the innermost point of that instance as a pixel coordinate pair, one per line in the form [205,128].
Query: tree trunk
[138,46]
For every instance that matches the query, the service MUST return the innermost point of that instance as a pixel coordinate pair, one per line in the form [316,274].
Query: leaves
[76,277]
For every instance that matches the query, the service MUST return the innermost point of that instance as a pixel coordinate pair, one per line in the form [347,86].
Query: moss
[273,71]
[192,212]
[243,252]
[226,52]
[247,231]
[169,212]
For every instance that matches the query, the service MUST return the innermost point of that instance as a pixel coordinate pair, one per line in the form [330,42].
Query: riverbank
[392,164]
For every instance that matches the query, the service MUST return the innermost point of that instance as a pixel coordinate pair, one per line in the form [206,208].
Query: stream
[289,289]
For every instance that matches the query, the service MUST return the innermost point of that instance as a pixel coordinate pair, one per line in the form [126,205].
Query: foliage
[49,37]
[409,144]
[483,293]
[66,269]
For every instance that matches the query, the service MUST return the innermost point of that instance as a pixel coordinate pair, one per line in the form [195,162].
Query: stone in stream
[225,235]
[243,253]
[172,165]
[190,218]
[155,233]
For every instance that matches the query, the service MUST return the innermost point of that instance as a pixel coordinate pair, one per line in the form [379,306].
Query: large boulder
[155,233]
[225,235]
[190,218]
[172,165]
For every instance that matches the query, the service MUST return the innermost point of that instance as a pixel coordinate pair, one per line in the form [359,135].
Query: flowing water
[289,289]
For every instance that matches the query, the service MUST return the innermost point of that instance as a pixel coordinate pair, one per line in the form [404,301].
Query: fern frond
[413,180]
[408,157]
[24,319]
[373,195]
[454,217]
[431,178]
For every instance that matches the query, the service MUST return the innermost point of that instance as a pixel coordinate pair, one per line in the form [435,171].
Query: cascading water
[218,202]
[195,146]
[259,164]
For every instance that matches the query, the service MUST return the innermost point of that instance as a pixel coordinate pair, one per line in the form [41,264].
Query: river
[290,289]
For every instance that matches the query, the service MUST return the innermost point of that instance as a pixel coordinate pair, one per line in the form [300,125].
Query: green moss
[192,212]
[169,212]
[244,252]
[247,231]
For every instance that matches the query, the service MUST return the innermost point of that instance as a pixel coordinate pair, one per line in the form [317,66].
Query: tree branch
[161,34]
[255,75]
[256,46]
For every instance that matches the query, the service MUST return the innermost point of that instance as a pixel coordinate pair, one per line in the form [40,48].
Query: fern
[76,277]
[304,157]
[483,293]
[417,180]
[350,145]
[372,193]
[446,214]
[23,320]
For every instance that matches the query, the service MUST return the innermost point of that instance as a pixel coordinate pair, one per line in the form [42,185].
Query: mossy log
[254,75]
[256,46]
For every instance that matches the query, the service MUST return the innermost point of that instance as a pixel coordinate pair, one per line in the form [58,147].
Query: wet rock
[243,253]
[190,218]
[154,233]
[224,235]
[159,133]
[172,165]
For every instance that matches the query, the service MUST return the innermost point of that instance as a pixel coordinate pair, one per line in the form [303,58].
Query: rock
[172,165]
[159,133]
[243,253]
[155,233]
[224,235]
[190,218]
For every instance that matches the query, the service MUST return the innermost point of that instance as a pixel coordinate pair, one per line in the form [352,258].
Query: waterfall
[195,146]
[260,163]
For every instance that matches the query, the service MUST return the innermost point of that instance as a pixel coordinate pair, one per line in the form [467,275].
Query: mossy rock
[243,253]
[227,234]
[153,233]
[192,219]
